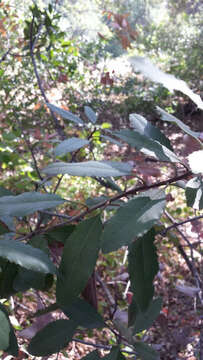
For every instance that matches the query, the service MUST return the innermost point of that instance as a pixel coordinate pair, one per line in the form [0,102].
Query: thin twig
[57,125]
[100,346]
[5,55]
[105,203]
[176,224]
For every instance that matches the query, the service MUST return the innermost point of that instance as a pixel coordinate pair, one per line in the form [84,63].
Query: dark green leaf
[5,192]
[171,118]
[145,352]
[194,193]
[7,275]
[90,114]
[27,203]
[112,140]
[133,219]
[8,341]
[144,127]
[39,242]
[60,234]
[26,279]
[146,145]
[143,266]
[84,314]
[69,145]
[26,256]
[89,168]
[65,114]
[145,319]
[52,338]
[114,354]
[78,260]
[92,356]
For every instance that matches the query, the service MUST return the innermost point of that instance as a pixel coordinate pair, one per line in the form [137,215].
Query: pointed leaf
[66,114]
[114,354]
[171,118]
[143,266]
[146,145]
[26,256]
[84,314]
[145,319]
[145,352]
[133,219]
[60,234]
[91,115]
[78,260]
[8,341]
[27,203]
[69,145]
[89,168]
[194,193]
[144,127]
[52,338]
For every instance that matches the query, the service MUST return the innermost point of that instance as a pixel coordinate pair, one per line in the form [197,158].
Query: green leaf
[133,219]
[91,115]
[143,266]
[89,168]
[114,354]
[65,114]
[7,275]
[26,279]
[78,260]
[27,203]
[84,314]
[194,193]
[60,234]
[145,319]
[52,338]
[113,141]
[26,256]
[4,192]
[8,341]
[144,127]
[145,352]
[3,228]
[171,118]
[146,145]
[92,356]
[69,145]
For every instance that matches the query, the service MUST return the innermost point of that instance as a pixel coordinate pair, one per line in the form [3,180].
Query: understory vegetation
[101,188]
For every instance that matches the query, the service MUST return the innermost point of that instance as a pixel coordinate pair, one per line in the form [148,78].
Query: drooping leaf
[146,145]
[144,127]
[69,145]
[91,115]
[26,256]
[66,114]
[92,356]
[84,314]
[171,118]
[196,162]
[143,266]
[169,81]
[194,193]
[8,341]
[52,338]
[89,168]
[27,203]
[133,219]
[143,320]
[145,352]
[78,260]
[115,354]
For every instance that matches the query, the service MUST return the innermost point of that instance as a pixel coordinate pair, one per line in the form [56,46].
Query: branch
[105,203]
[100,346]
[5,55]
[176,224]
[57,125]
